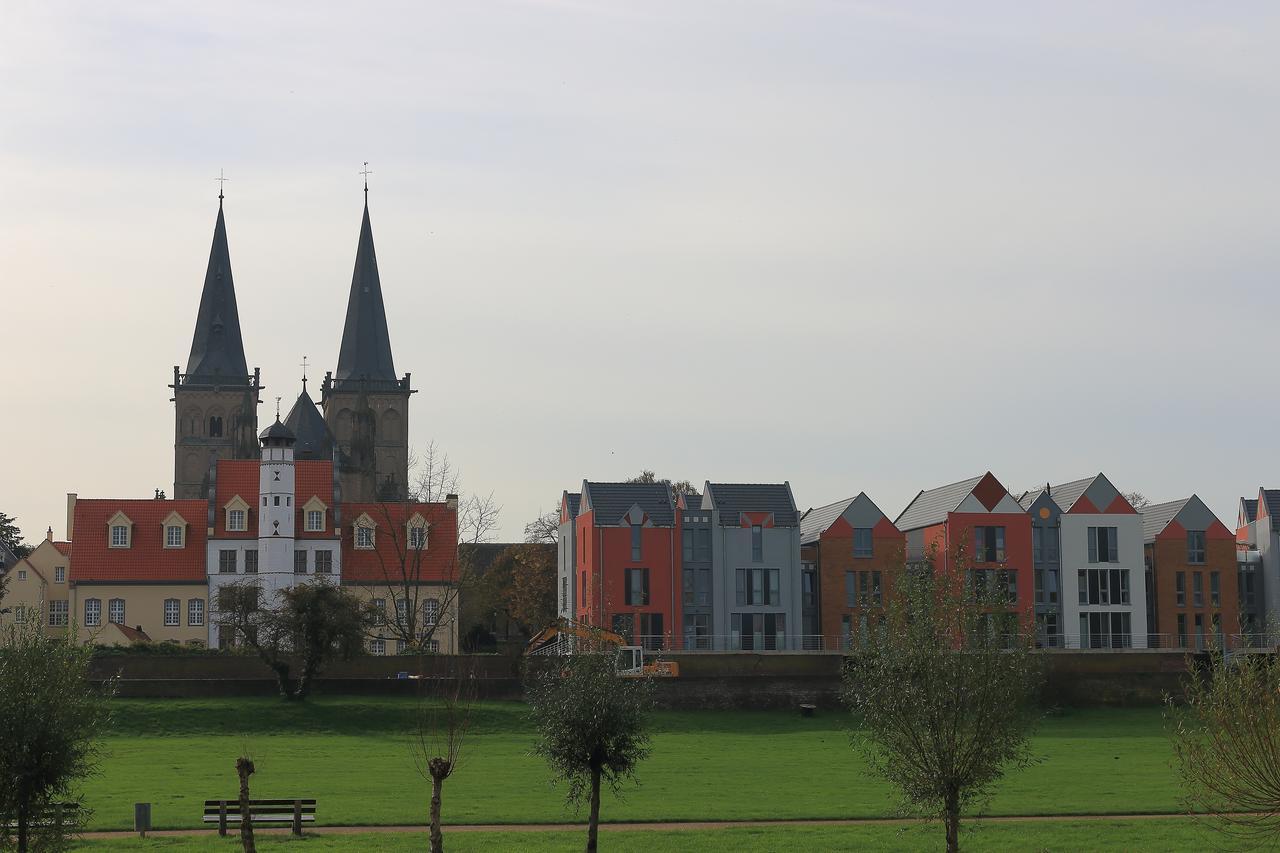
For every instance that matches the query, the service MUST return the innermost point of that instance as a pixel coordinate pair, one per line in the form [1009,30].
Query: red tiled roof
[64,548]
[133,635]
[235,477]
[146,559]
[313,479]
[439,561]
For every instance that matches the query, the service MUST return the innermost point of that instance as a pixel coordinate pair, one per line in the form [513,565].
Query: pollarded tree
[51,719]
[299,633]
[945,689]
[590,722]
[1226,742]
[443,723]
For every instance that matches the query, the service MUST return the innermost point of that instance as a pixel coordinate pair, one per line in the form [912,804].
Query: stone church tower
[216,400]
[365,406]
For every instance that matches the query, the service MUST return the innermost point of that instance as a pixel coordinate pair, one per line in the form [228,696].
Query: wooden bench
[295,812]
[56,815]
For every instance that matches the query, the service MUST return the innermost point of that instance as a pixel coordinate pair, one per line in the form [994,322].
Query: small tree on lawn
[1226,744]
[244,769]
[51,719]
[442,729]
[946,689]
[308,626]
[590,722]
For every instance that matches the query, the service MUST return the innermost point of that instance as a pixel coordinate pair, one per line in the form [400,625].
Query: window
[1195,546]
[324,562]
[58,614]
[624,625]
[364,537]
[1103,586]
[173,536]
[637,591]
[430,611]
[276,499]
[687,544]
[377,646]
[1182,630]
[635,541]
[299,562]
[651,633]
[758,631]
[988,544]
[20,614]
[697,631]
[215,426]
[869,589]
[417,538]
[1197,589]
[757,543]
[1102,545]
[172,612]
[227,561]
[315,520]
[758,587]
[1006,583]
[1199,621]
[236,520]
[379,607]
[401,647]
[863,543]
[402,611]
[115,611]
[59,574]
[808,589]
[92,612]
[583,600]
[702,547]
[564,594]
[433,646]
[22,574]
[195,611]
[119,536]
[1180,588]
[1105,631]
[850,590]
[1215,590]
[250,561]
[697,587]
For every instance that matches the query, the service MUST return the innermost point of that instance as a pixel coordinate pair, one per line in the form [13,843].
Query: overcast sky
[858,246]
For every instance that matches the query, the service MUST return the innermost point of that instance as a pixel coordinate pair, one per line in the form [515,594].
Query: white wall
[1075,556]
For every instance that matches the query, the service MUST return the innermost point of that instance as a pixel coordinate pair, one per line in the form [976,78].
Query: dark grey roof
[314,440]
[574,500]
[1250,509]
[1272,497]
[366,344]
[277,430]
[815,521]
[730,499]
[932,505]
[1029,498]
[611,501]
[217,350]
[7,558]
[1156,517]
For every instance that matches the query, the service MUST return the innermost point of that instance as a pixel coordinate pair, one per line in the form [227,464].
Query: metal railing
[733,642]
[1045,642]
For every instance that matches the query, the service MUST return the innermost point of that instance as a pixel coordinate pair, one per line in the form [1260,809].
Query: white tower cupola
[276,494]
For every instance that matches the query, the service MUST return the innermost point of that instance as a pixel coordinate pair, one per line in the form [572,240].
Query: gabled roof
[733,499]
[64,548]
[366,343]
[611,501]
[216,348]
[932,505]
[146,559]
[1067,495]
[234,477]
[572,501]
[1250,507]
[387,559]
[815,521]
[1156,517]
[312,438]
[1271,500]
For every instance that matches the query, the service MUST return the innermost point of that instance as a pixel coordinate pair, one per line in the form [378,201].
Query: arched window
[115,611]
[215,426]
[92,612]
[172,612]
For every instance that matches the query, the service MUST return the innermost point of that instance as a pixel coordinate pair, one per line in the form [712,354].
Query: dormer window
[121,530]
[175,531]
[364,528]
[416,530]
[237,511]
[236,520]
[313,515]
[315,520]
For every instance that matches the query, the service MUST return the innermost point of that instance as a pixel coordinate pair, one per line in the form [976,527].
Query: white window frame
[173,536]
[364,537]
[430,612]
[59,574]
[315,520]
[237,520]
[195,612]
[111,608]
[377,646]
[22,574]
[59,613]
[174,620]
[418,538]
[92,612]
[119,536]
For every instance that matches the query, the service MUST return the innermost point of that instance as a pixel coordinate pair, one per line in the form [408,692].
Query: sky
[873,247]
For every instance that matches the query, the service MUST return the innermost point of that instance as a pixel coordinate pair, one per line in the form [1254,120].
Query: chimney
[451,501]
[48,534]
[71,515]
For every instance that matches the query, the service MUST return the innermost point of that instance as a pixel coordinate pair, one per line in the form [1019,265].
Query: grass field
[352,754]
[1179,834]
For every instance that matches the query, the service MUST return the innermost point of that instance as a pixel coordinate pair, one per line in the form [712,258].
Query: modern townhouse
[1087,550]
[1258,559]
[978,523]
[627,539]
[696,568]
[757,600]
[566,556]
[853,552]
[1192,559]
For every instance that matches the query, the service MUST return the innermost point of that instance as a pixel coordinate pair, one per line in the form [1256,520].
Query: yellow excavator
[567,637]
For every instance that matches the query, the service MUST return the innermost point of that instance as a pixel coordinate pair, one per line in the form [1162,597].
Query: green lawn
[1179,834]
[352,754]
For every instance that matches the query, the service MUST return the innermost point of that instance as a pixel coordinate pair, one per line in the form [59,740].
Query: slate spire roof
[313,439]
[217,349]
[366,344]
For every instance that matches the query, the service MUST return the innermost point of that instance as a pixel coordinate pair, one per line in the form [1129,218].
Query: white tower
[276,518]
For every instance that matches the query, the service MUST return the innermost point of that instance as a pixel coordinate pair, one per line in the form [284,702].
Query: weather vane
[222,179]
[277,408]
[366,174]
[304,373]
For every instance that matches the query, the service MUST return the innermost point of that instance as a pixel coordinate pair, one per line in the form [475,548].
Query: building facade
[1192,559]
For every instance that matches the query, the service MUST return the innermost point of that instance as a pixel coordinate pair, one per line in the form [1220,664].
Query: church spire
[366,344]
[216,348]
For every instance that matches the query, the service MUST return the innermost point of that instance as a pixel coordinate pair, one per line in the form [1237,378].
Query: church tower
[216,400]
[365,406]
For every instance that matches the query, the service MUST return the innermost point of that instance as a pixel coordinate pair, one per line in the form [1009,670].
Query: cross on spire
[366,174]
[277,408]
[304,373]
[221,179]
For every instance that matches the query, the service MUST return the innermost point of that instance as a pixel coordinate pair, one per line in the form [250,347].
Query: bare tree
[442,730]
[678,487]
[945,688]
[544,529]
[1226,744]
[1137,500]
[426,590]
